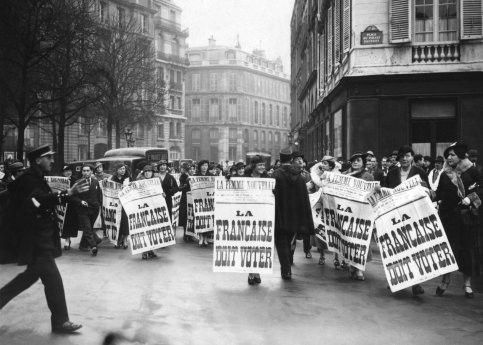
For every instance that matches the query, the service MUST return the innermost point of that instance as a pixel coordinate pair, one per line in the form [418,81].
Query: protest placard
[190,220]
[175,210]
[202,190]
[413,244]
[244,225]
[59,184]
[317,215]
[148,218]
[111,208]
[347,219]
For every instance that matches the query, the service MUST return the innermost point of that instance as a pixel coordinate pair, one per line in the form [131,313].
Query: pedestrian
[38,237]
[121,175]
[240,169]
[435,173]
[257,171]
[147,173]
[203,166]
[70,228]
[326,164]
[99,172]
[293,214]
[88,205]
[400,173]
[459,193]
[358,170]
[184,187]
[168,182]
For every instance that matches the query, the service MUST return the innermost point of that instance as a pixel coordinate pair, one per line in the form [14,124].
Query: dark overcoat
[33,216]
[292,205]
[184,187]
[461,235]
[393,178]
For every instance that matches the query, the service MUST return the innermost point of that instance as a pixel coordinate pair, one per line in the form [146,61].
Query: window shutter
[400,21]
[471,19]
[346,29]
[329,31]
[337,31]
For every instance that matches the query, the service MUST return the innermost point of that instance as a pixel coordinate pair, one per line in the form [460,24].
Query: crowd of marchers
[453,181]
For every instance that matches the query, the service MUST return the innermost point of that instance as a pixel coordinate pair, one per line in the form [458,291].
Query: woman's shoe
[468,291]
[441,288]
[308,255]
[322,260]
[336,264]
[257,279]
[251,280]
[344,266]
[152,254]
[94,251]
[67,247]
[417,290]
[145,256]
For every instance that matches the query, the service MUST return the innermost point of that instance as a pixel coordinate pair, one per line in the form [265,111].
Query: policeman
[38,240]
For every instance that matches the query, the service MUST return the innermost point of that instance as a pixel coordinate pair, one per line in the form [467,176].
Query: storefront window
[338,133]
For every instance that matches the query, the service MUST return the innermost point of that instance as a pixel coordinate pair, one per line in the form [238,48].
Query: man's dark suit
[87,215]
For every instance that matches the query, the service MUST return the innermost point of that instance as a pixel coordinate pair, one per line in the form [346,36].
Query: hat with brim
[16,166]
[119,165]
[66,167]
[97,165]
[360,155]
[327,158]
[40,152]
[163,161]
[439,159]
[370,153]
[460,149]
[285,156]
[148,167]
[240,165]
[297,154]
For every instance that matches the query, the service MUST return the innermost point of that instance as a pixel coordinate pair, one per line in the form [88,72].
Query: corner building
[236,102]
[375,75]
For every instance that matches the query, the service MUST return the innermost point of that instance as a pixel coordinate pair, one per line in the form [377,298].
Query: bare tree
[131,91]
[25,43]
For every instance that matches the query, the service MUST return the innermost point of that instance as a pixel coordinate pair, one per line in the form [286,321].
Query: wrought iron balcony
[434,53]
[173,58]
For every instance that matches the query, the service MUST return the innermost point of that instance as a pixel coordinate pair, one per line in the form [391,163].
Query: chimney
[211,41]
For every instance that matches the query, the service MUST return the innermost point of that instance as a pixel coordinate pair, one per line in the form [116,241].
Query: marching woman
[358,170]
[327,164]
[184,187]
[121,176]
[147,173]
[257,170]
[71,226]
[459,193]
[203,166]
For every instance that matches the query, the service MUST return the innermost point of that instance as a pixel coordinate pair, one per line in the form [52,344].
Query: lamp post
[129,140]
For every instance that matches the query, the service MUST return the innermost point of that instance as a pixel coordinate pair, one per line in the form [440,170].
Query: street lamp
[129,140]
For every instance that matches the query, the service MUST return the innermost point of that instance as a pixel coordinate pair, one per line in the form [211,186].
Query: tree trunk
[61,143]
[118,134]
[109,125]
[20,138]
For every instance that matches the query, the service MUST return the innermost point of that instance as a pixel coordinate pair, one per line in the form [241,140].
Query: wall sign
[371,35]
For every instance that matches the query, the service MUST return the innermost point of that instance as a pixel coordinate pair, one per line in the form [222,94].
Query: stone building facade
[236,102]
[160,22]
[375,75]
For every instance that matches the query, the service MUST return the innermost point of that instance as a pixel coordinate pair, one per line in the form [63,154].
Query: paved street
[176,299]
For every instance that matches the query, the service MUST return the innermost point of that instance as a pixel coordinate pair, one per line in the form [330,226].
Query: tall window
[144,23]
[232,113]
[160,131]
[195,109]
[338,133]
[179,102]
[195,82]
[214,109]
[214,134]
[213,82]
[270,115]
[171,130]
[435,20]
[178,130]
[171,102]
[121,17]
[232,81]
[195,136]
[285,117]
[232,153]
[178,77]
[277,116]
[232,135]
[171,76]
[264,118]
[255,108]
[263,137]
[255,138]
[140,130]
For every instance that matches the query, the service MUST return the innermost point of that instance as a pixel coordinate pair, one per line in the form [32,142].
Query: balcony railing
[175,86]
[173,58]
[434,53]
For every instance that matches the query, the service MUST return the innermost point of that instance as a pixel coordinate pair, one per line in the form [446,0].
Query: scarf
[454,175]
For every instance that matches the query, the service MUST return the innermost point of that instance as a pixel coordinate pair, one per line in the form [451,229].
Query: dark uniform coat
[292,205]
[393,178]
[184,187]
[33,213]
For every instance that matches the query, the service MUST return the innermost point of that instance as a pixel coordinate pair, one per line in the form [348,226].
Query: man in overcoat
[292,211]
[38,242]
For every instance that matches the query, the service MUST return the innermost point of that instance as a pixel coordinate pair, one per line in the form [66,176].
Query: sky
[259,23]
